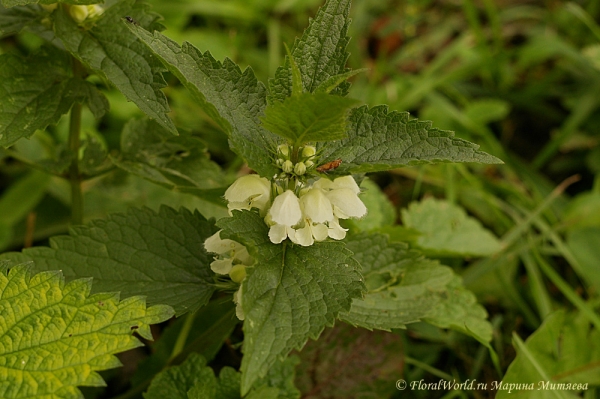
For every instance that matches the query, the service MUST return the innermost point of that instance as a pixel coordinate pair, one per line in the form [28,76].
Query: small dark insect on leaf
[131,20]
[329,165]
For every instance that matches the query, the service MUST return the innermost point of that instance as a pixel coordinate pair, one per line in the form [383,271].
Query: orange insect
[329,166]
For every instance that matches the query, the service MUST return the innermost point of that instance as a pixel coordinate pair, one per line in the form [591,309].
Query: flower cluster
[314,214]
[305,214]
[77,12]
[231,259]
[304,164]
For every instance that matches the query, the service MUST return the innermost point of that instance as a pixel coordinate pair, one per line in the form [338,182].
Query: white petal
[286,209]
[348,202]
[243,256]
[216,245]
[278,233]
[249,188]
[316,206]
[221,266]
[304,236]
[237,299]
[238,206]
[319,231]
[323,183]
[336,231]
[346,182]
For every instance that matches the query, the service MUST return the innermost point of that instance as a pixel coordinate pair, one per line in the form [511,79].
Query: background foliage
[518,77]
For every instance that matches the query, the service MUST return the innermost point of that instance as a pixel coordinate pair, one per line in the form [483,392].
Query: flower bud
[49,7]
[78,13]
[308,151]
[300,168]
[288,166]
[284,150]
[309,164]
[237,273]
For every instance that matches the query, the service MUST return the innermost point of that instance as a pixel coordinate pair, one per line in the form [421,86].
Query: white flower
[346,203]
[336,231]
[79,13]
[250,191]
[228,251]
[310,233]
[286,209]
[316,206]
[237,299]
[341,182]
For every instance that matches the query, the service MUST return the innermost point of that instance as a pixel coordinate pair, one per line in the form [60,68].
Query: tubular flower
[284,213]
[229,253]
[250,191]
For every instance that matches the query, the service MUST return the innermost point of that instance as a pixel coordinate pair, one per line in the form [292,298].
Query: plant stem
[74,177]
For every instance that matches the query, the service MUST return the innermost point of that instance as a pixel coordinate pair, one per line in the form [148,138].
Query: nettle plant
[283,263]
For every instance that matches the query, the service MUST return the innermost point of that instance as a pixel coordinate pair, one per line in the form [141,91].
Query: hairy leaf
[309,117]
[404,287]
[177,162]
[553,355]
[12,20]
[195,380]
[380,140]
[55,337]
[447,230]
[36,92]
[110,49]
[232,98]
[320,53]
[291,294]
[140,252]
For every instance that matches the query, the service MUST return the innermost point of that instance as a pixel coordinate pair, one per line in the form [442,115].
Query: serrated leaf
[232,98]
[55,337]
[404,287]
[193,379]
[291,294]
[320,53]
[348,362]
[308,117]
[111,50]
[553,355]
[176,381]
[140,252]
[13,3]
[177,162]
[12,20]
[447,230]
[35,92]
[380,140]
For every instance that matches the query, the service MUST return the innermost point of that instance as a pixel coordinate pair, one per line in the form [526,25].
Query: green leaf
[177,162]
[291,294]
[320,53]
[193,379]
[12,3]
[232,98]
[35,92]
[12,20]
[554,354]
[583,243]
[111,50]
[348,362]
[140,252]
[378,140]
[447,230]
[55,337]
[309,117]
[175,382]
[404,287]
